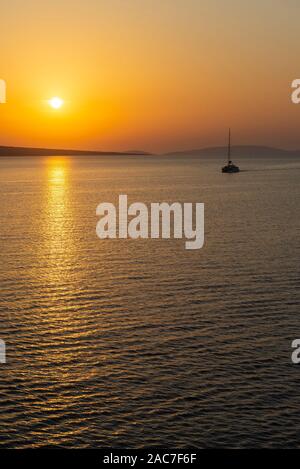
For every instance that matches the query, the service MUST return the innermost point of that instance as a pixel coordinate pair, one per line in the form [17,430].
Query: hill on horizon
[31,151]
[252,151]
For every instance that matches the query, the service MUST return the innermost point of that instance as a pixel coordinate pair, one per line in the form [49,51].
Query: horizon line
[25,150]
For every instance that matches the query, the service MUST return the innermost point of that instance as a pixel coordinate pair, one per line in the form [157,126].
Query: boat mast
[229,145]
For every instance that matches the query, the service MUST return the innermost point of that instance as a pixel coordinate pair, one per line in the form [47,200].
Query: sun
[56,103]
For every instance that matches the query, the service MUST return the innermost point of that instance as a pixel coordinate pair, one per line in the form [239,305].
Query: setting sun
[56,103]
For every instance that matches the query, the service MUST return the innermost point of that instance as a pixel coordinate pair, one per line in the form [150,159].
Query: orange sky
[156,75]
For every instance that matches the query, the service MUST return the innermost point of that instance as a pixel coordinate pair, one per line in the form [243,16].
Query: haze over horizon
[147,75]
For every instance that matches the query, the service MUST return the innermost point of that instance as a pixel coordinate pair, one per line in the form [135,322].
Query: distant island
[248,151]
[26,151]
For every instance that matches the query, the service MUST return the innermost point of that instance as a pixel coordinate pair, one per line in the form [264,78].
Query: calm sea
[140,343]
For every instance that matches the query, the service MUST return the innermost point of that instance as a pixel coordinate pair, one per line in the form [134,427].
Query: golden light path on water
[61,326]
[58,224]
[60,277]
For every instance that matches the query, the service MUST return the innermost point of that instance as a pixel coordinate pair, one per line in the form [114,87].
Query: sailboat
[230,167]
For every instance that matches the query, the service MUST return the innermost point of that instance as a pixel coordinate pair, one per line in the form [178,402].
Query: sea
[141,343]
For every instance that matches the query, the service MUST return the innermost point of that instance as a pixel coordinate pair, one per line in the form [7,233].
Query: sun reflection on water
[58,226]
[57,174]
[59,280]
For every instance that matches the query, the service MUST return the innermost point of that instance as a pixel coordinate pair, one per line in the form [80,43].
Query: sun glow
[56,103]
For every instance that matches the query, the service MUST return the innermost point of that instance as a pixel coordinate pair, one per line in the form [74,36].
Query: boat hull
[230,169]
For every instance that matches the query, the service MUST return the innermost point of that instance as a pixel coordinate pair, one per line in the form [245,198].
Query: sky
[155,75]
